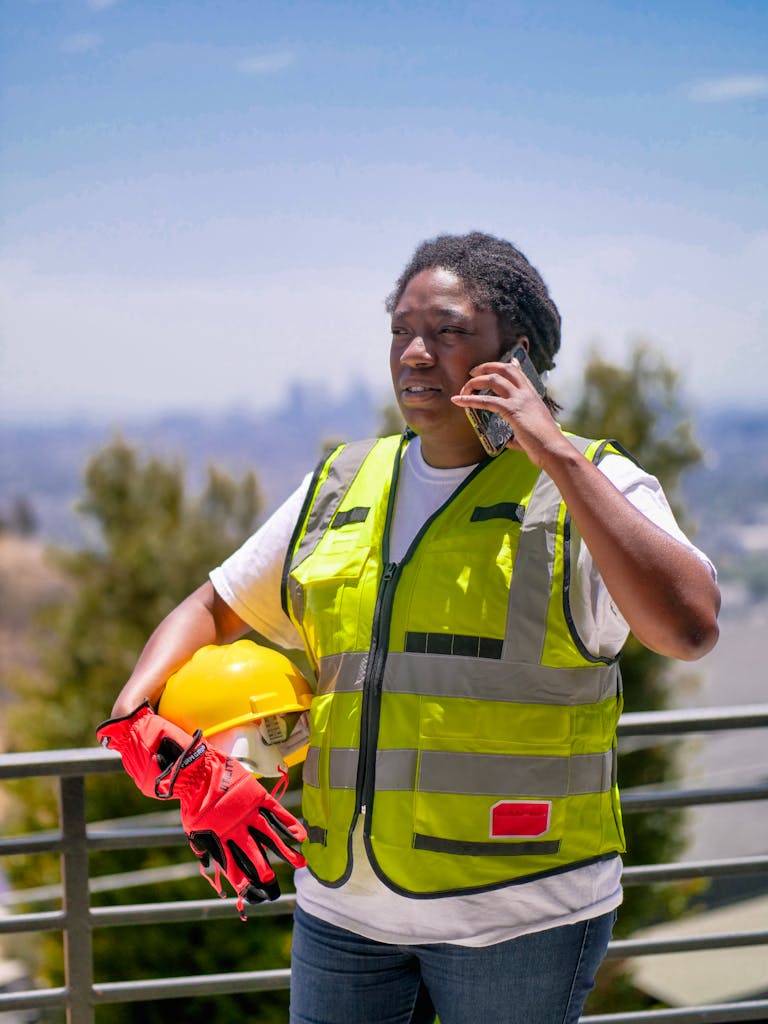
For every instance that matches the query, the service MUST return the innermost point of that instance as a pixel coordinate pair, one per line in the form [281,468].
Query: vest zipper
[372,686]
[374,673]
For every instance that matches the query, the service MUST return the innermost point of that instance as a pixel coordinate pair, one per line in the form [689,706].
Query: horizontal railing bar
[140,878]
[147,913]
[618,949]
[638,874]
[207,984]
[641,874]
[188,910]
[96,760]
[74,761]
[170,835]
[648,800]
[682,720]
[110,839]
[138,838]
[33,842]
[33,998]
[43,921]
[255,981]
[716,1013]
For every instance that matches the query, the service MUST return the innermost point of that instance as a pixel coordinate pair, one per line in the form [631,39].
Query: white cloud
[266,63]
[101,5]
[735,87]
[81,42]
[703,306]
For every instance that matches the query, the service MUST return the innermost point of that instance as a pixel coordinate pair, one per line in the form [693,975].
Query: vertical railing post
[78,946]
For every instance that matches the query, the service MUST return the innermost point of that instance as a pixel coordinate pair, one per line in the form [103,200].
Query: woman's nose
[416,353]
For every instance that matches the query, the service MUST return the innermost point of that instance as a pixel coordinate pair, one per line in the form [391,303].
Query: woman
[463,615]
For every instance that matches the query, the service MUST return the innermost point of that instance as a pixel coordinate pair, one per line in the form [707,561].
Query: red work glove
[227,815]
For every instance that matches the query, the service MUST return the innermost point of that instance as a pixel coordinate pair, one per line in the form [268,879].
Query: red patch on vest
[518,819]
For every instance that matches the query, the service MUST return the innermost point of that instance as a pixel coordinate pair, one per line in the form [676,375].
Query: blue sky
[202,202]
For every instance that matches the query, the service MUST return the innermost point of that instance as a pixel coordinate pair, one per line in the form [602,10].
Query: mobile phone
[493,430]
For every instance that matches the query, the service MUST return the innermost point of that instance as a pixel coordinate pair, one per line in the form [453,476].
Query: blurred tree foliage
[640,406]
[152,543]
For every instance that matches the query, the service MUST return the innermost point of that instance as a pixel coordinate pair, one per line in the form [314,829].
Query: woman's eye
[452,333]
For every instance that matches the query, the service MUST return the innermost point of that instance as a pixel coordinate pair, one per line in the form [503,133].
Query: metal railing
[75,840]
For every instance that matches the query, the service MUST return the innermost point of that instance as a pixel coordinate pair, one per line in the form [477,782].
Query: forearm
[201,619]
[663,590]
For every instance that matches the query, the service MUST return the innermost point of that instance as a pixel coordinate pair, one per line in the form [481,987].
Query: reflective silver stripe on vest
[531,589]
[341,673]
[482,679]
[342,767]
[486,680]
[341,473]
[470,774]
[502,774]
[395,769]
[310,772]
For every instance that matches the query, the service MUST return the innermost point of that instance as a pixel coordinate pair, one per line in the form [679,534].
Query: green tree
[151,544]
[640,405]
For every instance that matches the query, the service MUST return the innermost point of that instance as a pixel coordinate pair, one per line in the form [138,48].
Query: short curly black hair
[499,278]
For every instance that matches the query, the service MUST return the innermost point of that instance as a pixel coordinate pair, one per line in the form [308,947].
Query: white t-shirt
[249,581]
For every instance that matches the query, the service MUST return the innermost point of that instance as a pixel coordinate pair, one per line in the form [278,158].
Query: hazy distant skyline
[204,202]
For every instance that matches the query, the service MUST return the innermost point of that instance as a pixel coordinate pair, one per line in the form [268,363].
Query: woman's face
[438,336]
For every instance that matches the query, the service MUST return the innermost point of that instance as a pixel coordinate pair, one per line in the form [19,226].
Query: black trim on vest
[453,643]
[485,849]
[350,515]
[620,448]
[503,510]
[580,645]
[316,834]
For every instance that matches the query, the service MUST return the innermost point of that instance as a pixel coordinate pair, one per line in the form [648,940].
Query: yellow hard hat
[225,689]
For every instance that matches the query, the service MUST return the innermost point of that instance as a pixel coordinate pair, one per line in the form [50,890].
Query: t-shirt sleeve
[598,621]
[249,580]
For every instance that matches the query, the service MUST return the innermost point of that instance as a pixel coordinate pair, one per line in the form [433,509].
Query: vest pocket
[491,778]
[487,825]
[331,612]
[495,726]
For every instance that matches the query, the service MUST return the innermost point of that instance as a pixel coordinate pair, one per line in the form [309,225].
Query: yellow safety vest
[456,704]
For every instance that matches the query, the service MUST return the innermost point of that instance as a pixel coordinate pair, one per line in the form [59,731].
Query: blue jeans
[338,977]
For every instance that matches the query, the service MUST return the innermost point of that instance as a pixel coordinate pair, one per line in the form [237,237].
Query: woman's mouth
[417,394]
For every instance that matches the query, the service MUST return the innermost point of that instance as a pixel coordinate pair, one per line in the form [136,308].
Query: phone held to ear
[493,430]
